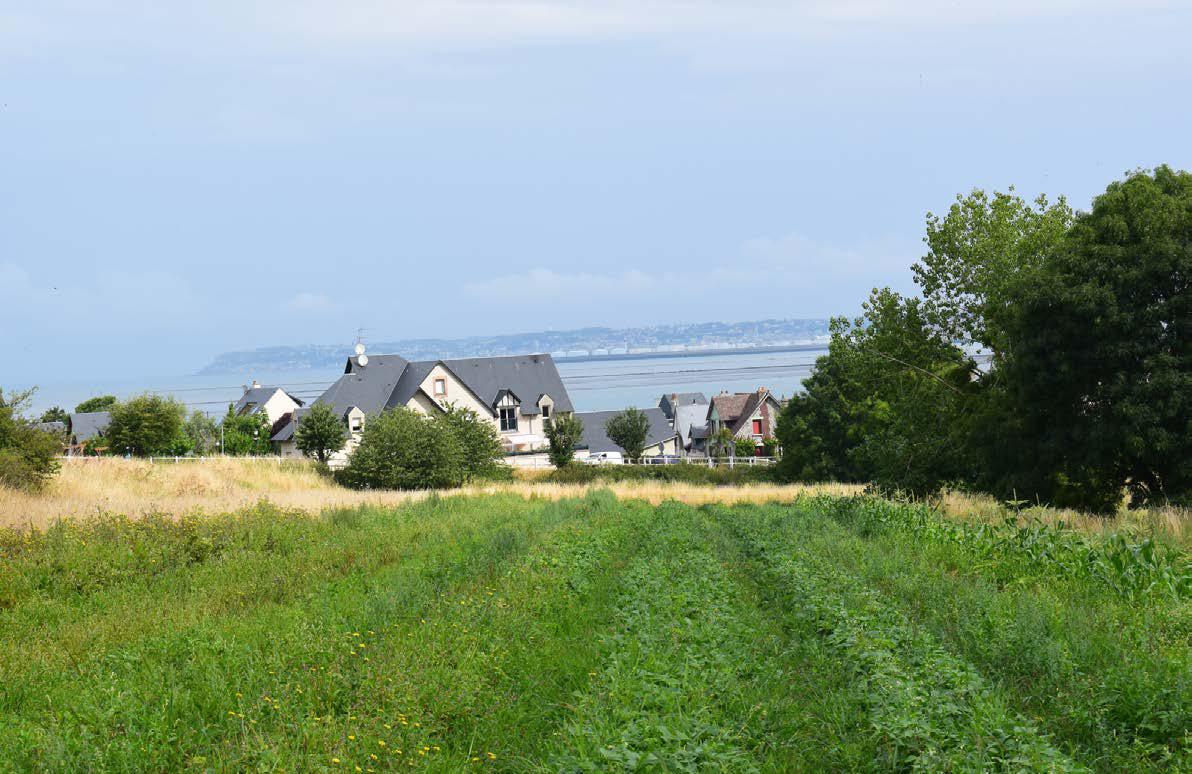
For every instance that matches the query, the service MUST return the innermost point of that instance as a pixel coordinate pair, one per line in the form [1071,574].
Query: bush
[564,433]
[684,472]
[28,456]
[629,430]
[402,449]
[482,452]
[246,434]
[148,425]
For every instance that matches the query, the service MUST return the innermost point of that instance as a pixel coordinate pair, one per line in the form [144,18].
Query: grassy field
[509,633]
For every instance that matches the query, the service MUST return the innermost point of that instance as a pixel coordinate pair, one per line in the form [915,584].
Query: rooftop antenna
[361,358]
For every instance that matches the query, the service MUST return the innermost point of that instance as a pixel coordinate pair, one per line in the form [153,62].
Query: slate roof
[85,426]
[368,387]
[288,425]
[56,426]
[528,376]
[671,401]
[598,441]
[688,418]
[257,397]
[389,381]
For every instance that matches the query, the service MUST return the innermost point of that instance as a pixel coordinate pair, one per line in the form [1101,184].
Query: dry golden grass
[1174,523]
[90,486]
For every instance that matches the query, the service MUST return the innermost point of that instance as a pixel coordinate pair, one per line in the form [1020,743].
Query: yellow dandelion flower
[381,742]
[351,737]
[335,761]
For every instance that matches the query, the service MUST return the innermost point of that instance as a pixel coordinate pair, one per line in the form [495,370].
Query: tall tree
[147,425]
[320,433]
[978,253]
[203,432]
[54,414]
[1100,363]
[564,433]
[629,430]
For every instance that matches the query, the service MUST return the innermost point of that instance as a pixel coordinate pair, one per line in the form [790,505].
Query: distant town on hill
[582,342]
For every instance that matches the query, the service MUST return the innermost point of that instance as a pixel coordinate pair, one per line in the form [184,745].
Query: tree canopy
[629,430]
[147,425]
[563,434]
[28,456]
[98,403]
[320,433]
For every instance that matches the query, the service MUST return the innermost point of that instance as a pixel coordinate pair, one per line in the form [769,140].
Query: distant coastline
[578,345]
[655,355]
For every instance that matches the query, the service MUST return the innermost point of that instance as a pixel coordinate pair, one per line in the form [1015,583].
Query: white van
[605,458]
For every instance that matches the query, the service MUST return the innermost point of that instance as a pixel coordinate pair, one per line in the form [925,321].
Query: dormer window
[440,387]
[508,418]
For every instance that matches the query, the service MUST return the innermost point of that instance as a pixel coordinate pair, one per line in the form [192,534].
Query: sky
[186,178]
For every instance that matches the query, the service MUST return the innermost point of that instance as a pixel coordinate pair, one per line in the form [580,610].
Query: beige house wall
[278,405]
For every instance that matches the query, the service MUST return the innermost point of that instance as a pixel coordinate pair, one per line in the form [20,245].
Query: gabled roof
[286,426]
[369,387]
[57,426]
[597,440]
[688,417]
[256,397]
[671,401]
[88,425]
[523,374]
[735,409]
[389,381]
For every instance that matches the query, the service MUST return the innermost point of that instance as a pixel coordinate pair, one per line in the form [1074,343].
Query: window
[508,419]
[356,424]
[440,387]
[757,427]
[546,411]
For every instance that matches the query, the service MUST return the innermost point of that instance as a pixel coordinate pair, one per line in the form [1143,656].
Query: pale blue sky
[179,179]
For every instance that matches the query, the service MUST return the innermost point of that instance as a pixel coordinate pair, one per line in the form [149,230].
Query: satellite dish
[362,359]
[360,348]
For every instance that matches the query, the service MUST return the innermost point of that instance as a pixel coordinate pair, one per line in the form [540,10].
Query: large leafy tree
[54,414]
[888,403]
[28,456]
[147,425]
[564,433]
[320,433]
[203,433]
[482,452]
[984,248]
[629,430]
[246,434]
[402,449]
[98,403]
[1100,365]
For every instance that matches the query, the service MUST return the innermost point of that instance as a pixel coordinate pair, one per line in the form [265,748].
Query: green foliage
[320,433]
[483,454]
[55,414]
[28,456]
[979,253]
[887,404]
[819,635]
[246,434]
[202,433]
[770,445]
[682,472]
[403,449]
[744,447]
[147,425]
[629,430]
[722,443]
[564,433]
[1099,376]
[99,403]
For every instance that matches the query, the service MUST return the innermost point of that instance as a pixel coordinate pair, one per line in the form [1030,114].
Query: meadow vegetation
[524,633]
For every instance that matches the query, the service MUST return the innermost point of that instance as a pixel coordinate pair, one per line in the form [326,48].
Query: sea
[595,384]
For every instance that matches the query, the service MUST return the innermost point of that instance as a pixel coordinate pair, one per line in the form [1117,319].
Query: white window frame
[440,382]
[501,418]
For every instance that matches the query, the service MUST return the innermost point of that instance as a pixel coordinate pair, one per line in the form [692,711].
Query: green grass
[591,635]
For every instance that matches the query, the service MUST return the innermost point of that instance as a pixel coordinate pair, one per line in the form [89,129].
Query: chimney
[255,384]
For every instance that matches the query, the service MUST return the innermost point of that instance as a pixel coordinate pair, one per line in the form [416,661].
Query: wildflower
[381,742]
[351,737]
[335,761]
[491,756]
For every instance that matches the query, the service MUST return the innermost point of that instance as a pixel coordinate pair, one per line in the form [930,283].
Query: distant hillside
[584,341]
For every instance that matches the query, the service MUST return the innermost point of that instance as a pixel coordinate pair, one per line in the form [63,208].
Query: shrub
[564,433]
[147,425]
[482,452]
[98,403]
[28,456]
[689,473]
[246,434]
[402,449]
[744,447]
